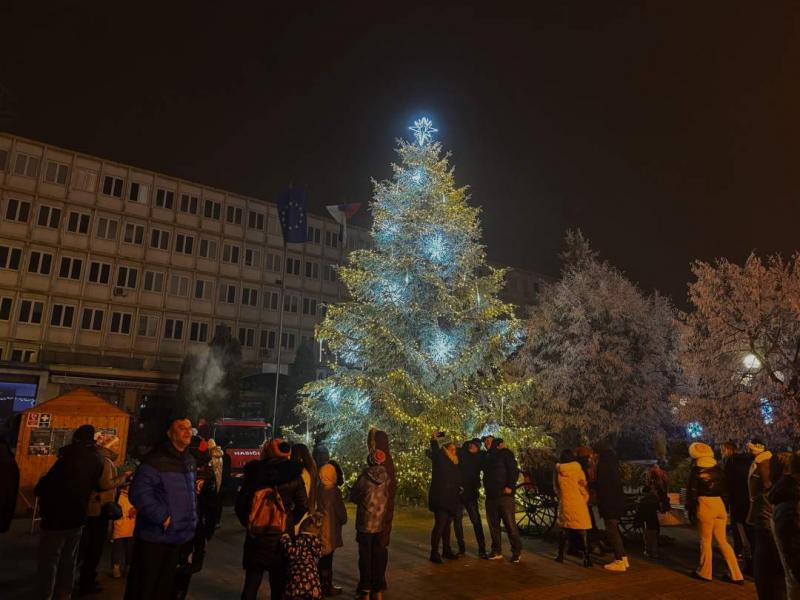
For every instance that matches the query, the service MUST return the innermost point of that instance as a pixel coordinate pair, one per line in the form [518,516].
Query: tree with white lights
[602,355]
[741,351]
[418,348]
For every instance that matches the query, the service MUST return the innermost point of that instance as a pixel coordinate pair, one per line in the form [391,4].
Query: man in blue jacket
[163,492]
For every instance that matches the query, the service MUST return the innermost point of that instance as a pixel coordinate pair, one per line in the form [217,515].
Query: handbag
[111,510]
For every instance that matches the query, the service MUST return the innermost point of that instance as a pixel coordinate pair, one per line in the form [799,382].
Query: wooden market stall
[48,426]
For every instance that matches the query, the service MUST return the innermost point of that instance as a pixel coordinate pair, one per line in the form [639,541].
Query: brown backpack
[267,513]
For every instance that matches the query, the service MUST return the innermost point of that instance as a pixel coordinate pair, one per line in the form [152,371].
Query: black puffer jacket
[500,471]
[608,485]
[785,499]
[470,467]
[704,482]
[737,470]
[445,490]
[64,490]
[286,477]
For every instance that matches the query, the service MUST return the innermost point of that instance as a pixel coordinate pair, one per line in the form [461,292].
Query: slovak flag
[341,213]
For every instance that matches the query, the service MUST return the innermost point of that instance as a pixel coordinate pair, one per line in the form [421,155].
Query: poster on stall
[36,420]
[61,438]
[40,441]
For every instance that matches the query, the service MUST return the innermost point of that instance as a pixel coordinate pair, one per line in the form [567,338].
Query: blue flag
[292,213]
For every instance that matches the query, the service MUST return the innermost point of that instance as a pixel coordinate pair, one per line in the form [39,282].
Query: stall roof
[78,402]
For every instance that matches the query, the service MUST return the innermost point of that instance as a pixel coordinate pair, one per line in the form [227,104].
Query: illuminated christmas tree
[419,346]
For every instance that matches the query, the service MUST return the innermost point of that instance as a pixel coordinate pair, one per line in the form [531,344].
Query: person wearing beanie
[767,568]
[273,483]
[500,474]
[444,496]
[370,494]
[569,482]
[302,553]
[334,516]
[470,461]
[377,439]
[63,494]
[705,506]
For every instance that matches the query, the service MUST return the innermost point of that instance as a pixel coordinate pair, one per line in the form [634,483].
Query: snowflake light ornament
[423,130]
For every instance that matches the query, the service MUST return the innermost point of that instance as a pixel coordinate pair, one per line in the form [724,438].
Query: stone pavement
[411,575]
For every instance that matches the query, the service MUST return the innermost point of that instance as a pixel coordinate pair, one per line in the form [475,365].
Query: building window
[184,243]
[127,277]
[189,204]
[5,309]
[249,296]
[113,186]
[292,266]
[227,293]
[247,336]
[208,249]
[312,269]
[148,326]
[26,165]
[234,215]
[107,228]
[212,210]
[198,332]
[267,339]
[329,273]
[49,217]
[178,285]
[134,234]
[255,220]
[314,235]
[202,289]
[70,268]
[99,272]
[153,281]
[56,172]
[10,258]
[271,299]
[30,312]
[164,198]
[40,262]
[159,239]
[92,319]
[62,315]
[273,262]
[78,223]
[22,355]
[332,239]
[252,258]
[287,341]
[121,323]
[18,210]
[230,253]
[173,329]
[138,192]
[290,303]
[84,180]
[309,306]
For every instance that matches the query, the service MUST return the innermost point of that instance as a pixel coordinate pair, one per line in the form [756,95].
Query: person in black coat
[444,496]
[470,463]
[500,474]
[262,552]
[785,499]
[9,475]
[736,466]
[611,502]
[63,495]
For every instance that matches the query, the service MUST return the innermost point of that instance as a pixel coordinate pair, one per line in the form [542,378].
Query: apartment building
[110,274]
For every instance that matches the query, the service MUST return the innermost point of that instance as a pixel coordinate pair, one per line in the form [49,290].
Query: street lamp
[751,362]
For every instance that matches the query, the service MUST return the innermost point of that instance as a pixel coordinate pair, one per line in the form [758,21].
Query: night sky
[667,131]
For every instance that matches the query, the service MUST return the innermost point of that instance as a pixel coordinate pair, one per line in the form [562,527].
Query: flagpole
[279,341]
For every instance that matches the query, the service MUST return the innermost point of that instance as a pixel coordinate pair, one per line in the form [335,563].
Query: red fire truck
[241,439]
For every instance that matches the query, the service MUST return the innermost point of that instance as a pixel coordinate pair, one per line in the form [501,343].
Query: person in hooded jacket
[611,502]
[163,493]
[785,499]
[736,466]
[470,462]
[9,475]
[500,474]
[569,482]
[63,494]
[370,494]
[334,516]
[262,552]
[653,501]
[379,440]
[444,496]
[705,505]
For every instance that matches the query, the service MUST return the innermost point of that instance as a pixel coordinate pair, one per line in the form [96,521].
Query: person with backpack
[370,493]
[271,500]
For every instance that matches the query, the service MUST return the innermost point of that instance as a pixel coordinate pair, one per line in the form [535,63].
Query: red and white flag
[341,213]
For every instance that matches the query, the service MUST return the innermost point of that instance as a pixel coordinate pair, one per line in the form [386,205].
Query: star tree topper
[423,130]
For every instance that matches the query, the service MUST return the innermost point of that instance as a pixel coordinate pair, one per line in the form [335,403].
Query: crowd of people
[292,504]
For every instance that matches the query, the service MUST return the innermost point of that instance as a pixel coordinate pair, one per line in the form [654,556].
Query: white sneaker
[618,566]
[625,560]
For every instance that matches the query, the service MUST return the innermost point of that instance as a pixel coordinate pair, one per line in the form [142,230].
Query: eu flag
[292,213]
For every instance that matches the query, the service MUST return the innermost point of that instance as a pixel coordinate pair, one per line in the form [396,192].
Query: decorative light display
[694,430]
[767,411]
[417,349]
